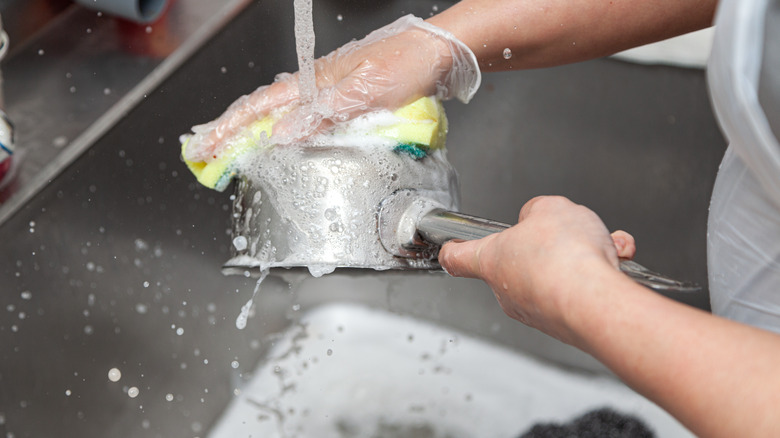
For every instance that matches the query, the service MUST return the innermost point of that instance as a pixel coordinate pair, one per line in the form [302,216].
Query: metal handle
[439,226]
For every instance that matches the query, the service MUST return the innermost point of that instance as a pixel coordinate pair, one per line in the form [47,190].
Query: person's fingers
[624,244]
[251,107]
[462,258]
[301,122]
[281,93]
[359,93]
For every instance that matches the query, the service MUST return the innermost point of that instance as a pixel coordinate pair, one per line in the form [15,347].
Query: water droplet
[26,295]
[223,69]
[140,244]
[169,397]
[67,392]
[114,374]
[40,51]
[240,243]
[106,91]
[148,29]
[331,214]
[141,308]
[339,17]
[507,53]
[60,142]
[234,364]
[330,352]
[179,331]
[133,392]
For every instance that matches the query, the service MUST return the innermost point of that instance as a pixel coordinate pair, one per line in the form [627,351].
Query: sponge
[421,123]
[421,126]
[218,173]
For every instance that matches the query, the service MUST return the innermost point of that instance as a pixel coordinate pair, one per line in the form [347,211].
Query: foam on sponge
[412,130]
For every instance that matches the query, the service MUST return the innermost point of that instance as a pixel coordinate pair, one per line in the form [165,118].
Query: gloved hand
[556,248]
[389,68]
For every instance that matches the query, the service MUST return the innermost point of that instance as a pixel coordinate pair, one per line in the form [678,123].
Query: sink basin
[349,370]
[116,262]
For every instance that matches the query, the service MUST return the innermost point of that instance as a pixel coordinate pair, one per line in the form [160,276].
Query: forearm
[543,33]
[718,377]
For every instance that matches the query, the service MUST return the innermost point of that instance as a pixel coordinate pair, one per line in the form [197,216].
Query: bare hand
[535,265]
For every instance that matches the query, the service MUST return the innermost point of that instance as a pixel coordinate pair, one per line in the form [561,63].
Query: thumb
[461,258]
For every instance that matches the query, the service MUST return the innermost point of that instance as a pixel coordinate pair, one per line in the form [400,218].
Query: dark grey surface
[67,84]
[126,225]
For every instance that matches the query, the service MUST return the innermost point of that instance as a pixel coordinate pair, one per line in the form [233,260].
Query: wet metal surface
[65,86]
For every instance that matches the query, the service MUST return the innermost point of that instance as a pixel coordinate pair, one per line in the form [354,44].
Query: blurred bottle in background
[6,129]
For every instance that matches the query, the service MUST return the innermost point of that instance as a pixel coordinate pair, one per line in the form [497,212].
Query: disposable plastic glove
[391,67]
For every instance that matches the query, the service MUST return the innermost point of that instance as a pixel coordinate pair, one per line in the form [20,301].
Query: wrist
[589,312]
[461,75]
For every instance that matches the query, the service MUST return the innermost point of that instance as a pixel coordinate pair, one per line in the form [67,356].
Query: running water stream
[304,45]
[307,88]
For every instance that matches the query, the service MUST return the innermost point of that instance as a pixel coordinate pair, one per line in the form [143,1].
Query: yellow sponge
[422,124]
[217,173]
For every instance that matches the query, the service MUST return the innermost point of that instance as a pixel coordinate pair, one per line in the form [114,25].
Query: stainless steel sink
[116,262]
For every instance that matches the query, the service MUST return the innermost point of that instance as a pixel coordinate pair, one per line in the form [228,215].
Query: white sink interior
[348,370]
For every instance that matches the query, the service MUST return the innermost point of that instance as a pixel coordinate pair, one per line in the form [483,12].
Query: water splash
[244,315]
